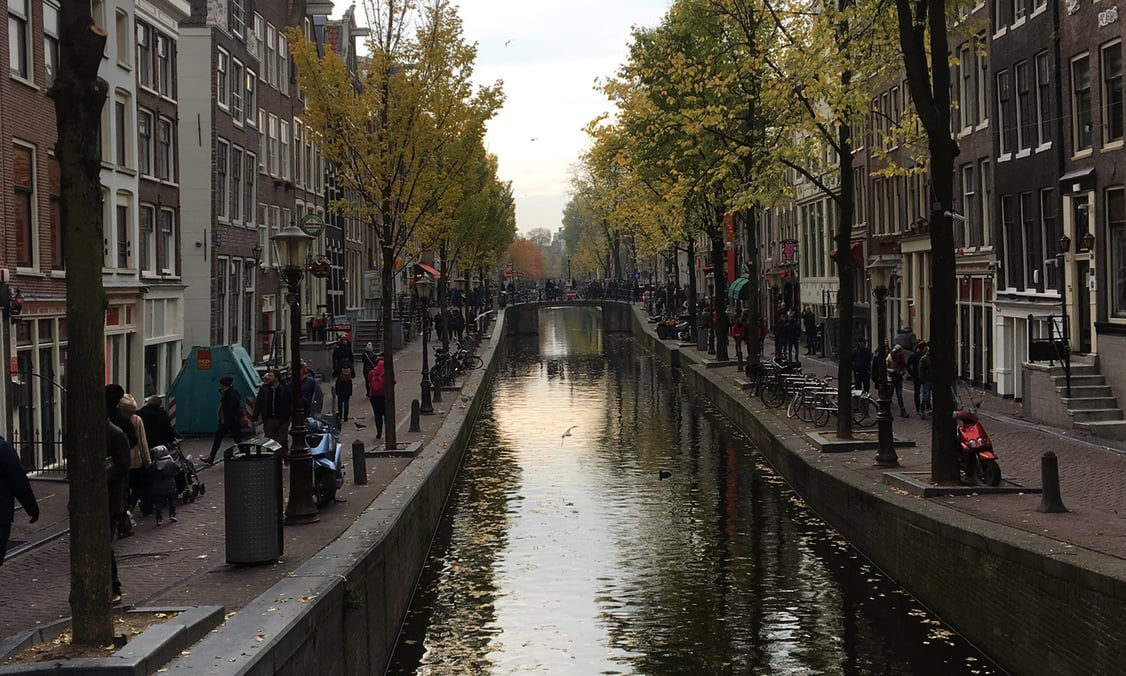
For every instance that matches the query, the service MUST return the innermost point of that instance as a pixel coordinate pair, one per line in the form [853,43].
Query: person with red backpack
[376,393]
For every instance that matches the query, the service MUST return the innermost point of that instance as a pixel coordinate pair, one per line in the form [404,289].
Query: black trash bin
[252,501]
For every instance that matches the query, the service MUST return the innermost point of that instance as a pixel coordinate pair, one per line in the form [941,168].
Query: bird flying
[567,434]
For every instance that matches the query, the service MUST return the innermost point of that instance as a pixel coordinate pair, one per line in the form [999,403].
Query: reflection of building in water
[570,331]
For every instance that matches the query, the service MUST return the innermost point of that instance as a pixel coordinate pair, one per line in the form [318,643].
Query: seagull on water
[567,434]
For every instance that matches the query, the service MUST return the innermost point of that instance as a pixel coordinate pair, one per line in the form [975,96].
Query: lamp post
[885,454]
[422,285]
[569,279]
[1064,342]
[293,249]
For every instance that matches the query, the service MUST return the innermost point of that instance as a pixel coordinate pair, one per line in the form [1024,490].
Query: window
[236,183]
[124,226]
[55,185]
[144,142]
[1116,225]
[982,79]
[23,174]
[147,242]
[1051,238]
[273,149]
[222,151]
[965,87]
[1043,99]
[1033,237]
[984,235]
[1014,250]
[251,102]
[165,155]
[144,56]
[222,84]
[238,17]
[1020,10]
[1006,113]
[283,64]
[50,41]
[238,88]
[165,82]
[269,59]
[123,33]
[19,38]
[123,132]
[248,188]
[262,140]
[259,39]
[969,208]
[166,243]
[1112,92]
[298,152]
[1080,104]
[283,154]
[1025,108]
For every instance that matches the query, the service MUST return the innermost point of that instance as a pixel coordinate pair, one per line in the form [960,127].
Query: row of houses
[1040,205]
[204,158]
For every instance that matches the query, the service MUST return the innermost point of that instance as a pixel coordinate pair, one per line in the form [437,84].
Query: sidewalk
[1092,470]
[184,562]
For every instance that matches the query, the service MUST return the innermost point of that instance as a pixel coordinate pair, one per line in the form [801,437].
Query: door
[1083,305]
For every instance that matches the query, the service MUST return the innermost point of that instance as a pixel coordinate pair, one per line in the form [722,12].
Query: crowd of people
[906,356]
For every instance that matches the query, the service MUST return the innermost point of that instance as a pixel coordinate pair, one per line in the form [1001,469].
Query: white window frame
[146,136]
[222,176]
[238,89]
[284,156]
[222,78]
[123,37]
[19,22]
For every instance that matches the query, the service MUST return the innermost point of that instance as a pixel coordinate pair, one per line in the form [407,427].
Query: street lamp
[293,249]
[422,285]
[885,455]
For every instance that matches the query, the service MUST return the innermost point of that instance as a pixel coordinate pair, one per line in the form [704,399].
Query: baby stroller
[188,485]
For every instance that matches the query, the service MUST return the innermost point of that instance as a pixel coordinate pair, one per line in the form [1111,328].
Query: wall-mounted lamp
[1088,241]
[1065,244]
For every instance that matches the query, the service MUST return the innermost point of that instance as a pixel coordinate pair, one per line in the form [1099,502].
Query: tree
[79,96]
[925,45]
[392,130]
[527,261]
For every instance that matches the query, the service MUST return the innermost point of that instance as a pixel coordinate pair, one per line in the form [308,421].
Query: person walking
[117,473]
[163,477]
[14,485]
[809,323]
[739,334]
[342,388]
[367,360]
[861,365]
[879,365]
[914,354]
[137,489]
[159,429]
[897,368]
[376,394]
[924,381]
[457,323]
[274,407]
[230,416]
[311,396]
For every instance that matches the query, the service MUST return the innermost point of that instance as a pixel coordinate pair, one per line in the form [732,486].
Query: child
[164,470]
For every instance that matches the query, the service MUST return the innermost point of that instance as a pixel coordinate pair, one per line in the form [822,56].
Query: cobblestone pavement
[184,562]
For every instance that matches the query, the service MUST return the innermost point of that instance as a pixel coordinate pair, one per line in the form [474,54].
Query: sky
[549,53]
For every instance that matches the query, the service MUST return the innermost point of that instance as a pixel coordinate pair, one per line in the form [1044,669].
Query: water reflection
[572,555]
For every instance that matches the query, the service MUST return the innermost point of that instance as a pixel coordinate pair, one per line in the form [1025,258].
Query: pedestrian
[163,477]
[342,388]
[159,429]
[230,416]
[312,398]
[809,323]
[925,381]
[117,473]
[367,360]
[137,489]
[879,365]
[915,353]
[342,353]
[905,339]
[273,406]
[739,334]
[119,490]
[14,485]
[376,394]
[861,365]
[457,323]
[897,369]
[762,331]
[792,337]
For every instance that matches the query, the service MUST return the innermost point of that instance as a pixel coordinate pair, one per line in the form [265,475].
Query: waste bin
[252,501]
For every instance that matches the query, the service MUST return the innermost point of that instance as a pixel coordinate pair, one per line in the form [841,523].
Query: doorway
[1083,305]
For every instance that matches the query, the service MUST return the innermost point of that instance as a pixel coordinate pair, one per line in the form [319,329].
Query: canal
[651,539]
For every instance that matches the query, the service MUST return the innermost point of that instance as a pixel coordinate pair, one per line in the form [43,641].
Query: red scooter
[976,458]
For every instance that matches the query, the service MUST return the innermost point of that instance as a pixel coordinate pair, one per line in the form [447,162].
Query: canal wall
[1034,605]
[341,611]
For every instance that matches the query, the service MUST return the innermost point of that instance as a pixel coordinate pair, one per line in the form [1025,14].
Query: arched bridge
[523,318]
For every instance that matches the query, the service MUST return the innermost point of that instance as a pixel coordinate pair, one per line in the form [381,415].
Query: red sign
[203,360]
[15,367]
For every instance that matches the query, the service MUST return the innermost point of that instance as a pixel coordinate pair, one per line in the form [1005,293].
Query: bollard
[416,410]
[359,464]
[436,394]
[1050,476]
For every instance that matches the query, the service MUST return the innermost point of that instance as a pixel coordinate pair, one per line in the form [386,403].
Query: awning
[737,290]
[856,249]
[429,270]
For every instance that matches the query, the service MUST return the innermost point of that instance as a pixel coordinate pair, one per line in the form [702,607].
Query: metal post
[414,416]
[1050,478]
[1065,337]
[885,455]
[426,406]
[359,464]
[301,508]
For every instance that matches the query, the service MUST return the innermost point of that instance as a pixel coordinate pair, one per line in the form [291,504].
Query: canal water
[651,539]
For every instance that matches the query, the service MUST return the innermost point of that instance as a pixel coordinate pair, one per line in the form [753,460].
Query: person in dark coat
[230,416]
[311,395]
[879,364]
[163,484]
[861,365]
[118,456]
[368,358]
[158,426]
[342,371]
[274,407]
[342,353]
[377,396]
[809,324]
[905,339]
[14,485]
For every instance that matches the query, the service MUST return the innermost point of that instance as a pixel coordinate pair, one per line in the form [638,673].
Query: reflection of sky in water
[568,555]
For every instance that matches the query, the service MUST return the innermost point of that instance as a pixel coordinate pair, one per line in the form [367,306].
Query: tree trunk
[387,274]
[79,96]
[693,320]
[719,295]
[846,295]
[754,286]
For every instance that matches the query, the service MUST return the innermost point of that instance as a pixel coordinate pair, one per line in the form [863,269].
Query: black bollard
[359,464]
[1050,502]
[436,394]
[416,410]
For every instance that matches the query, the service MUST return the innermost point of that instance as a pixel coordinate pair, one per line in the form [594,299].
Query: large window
[50,41]
[1112,93]
[1116,224]
[123,33]
[248,195]
[165,82]
[962,235]
[166,243]
[55,184]
[238,89]
[1026,106]
[1006,112]
[283,63]
[145,58]
[251,103]
[19,38]
[222,157]
[284,156]
[124,226]
[965,87]
[982,78]
[1052,233]
[270,59]
[238,17]
[165,151]
[272,159]
[236,184]
[222,83]
[1081,103]
[1014,247]
[1043,99]
[984,234]
[144,142]
[1033,237]
[23,175]
[147,244]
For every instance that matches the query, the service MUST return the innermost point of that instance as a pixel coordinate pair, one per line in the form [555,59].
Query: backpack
[345,374]
[165,467]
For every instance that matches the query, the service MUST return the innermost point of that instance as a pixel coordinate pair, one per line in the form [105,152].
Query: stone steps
[1092,404]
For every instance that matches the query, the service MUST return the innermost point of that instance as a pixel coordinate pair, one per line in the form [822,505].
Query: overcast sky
[549,53]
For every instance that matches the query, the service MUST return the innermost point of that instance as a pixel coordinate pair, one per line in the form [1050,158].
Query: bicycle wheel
[863,411]
[772,394]
[795,405]
[821,410]
[807,408]
[473,362]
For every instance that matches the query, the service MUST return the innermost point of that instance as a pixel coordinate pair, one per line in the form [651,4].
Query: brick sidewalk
[184,562]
